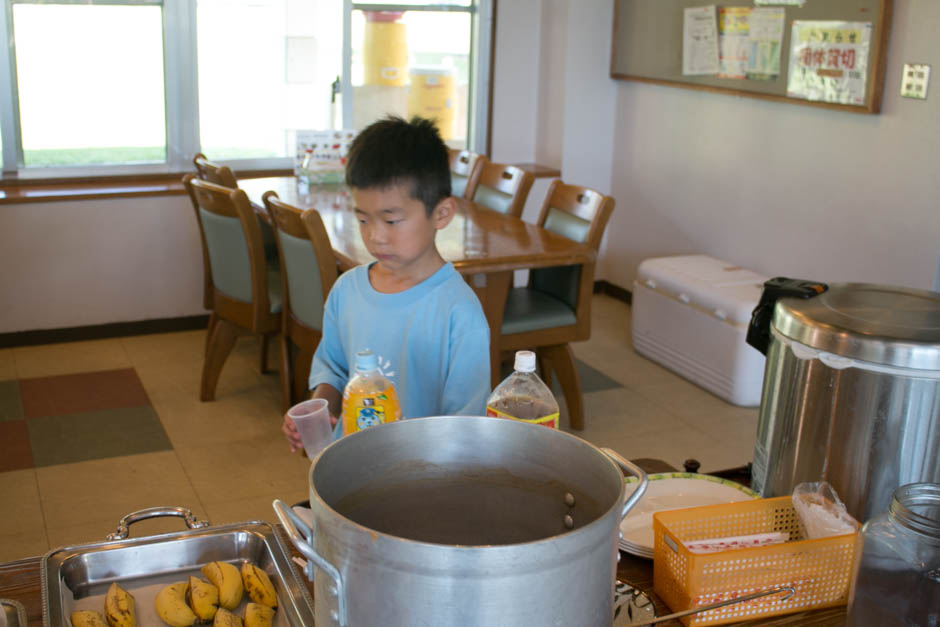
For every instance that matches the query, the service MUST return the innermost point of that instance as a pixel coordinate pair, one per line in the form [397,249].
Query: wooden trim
[103,331]
[614,291]
[19,191]
[874,107]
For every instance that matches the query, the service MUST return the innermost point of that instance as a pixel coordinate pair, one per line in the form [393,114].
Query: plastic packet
[750,541]
[821,511]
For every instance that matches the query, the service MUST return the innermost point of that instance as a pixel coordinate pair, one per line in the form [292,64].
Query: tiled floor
[91,431]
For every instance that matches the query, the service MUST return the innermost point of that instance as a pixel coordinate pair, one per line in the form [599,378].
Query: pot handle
[155,512]
[304,544]
[634,470]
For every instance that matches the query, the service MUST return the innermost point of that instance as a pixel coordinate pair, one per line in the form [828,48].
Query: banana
[258,585]
[119,607]
[224,618]
[257,615]
[171,605]
[227,579]
[88,618]
[203,597]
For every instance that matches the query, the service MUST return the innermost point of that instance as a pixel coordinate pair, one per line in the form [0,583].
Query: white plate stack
[672,490]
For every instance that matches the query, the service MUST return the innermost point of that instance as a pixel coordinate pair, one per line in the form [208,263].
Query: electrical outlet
[914,80]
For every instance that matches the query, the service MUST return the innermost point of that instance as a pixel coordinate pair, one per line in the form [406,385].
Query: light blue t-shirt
[432,341]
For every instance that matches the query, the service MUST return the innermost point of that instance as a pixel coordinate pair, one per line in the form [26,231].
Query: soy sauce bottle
[524,396]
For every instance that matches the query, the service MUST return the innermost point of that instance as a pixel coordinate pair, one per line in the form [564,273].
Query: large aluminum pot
[459,520]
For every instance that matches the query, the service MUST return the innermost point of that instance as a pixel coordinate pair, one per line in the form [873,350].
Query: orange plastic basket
[819,570]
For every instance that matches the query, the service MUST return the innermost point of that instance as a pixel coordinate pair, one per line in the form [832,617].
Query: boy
[409,307]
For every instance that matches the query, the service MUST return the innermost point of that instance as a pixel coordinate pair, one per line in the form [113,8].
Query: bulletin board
[835,48]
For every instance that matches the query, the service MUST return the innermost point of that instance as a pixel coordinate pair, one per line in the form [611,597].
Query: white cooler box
[690,313]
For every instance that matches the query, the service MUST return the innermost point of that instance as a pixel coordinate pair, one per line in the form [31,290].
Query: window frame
[181,88]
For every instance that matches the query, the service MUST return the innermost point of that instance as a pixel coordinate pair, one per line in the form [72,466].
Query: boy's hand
[293,437]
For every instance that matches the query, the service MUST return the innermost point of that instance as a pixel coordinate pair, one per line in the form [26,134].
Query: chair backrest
[465,167]
[578,213]
[233,242]
[213,172]
[503,188]
[308,267]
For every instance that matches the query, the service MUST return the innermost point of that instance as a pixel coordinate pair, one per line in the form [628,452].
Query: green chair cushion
[531,310]
[560,282]
[564,223]
[492,198]
[228,255]
[458,184]
[303,280]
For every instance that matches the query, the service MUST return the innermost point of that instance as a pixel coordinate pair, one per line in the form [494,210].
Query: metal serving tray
[71,576]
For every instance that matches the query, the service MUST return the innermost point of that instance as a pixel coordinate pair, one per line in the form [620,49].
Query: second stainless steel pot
[464,521]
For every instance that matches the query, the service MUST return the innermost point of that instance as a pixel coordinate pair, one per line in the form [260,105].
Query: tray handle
[156,512]
[634,470]
[304,544]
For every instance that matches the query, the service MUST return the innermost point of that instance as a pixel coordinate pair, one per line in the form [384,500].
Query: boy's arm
[334,399]
[329,366]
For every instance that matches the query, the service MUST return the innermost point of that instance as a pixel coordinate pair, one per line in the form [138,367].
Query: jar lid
[881,324]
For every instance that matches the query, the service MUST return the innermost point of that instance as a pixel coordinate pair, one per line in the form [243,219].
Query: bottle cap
[366,360]
[525,361]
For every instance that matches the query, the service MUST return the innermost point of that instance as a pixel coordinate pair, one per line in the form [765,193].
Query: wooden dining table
[485,246]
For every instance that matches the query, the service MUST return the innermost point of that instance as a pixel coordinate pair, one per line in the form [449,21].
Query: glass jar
[897,577]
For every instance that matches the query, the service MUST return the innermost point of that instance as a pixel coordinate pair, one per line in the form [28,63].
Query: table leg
[492,288]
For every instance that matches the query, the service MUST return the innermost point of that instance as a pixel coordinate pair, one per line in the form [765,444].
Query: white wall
[551,83]
[516,81]
[780,188]
[77,263]
[776,187]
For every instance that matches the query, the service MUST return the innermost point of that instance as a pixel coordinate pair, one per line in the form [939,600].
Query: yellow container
[432,94]
[384,49]
[819,570]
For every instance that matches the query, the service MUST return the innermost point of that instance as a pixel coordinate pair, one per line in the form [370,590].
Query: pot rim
[376,535]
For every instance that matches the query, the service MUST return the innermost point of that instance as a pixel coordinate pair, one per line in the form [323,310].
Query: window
[97,87]
[411,59]
[79,103]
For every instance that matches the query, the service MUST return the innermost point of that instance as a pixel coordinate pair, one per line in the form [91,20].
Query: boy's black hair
[393,151]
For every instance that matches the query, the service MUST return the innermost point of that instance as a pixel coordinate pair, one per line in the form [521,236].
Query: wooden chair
[554,309]
[223,175]
[246,290]
[213,172]
[465,167]
[503,188]
[308,271]
[220,175]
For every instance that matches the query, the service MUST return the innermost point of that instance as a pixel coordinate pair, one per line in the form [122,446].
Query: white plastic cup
[312,419]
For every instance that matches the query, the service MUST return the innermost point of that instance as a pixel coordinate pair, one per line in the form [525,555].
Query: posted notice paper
[829,61]
[733,41]
[700,41]
[765,34]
